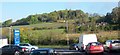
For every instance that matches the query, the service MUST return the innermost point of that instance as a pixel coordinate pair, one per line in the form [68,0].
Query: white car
[113,44]
[28,46]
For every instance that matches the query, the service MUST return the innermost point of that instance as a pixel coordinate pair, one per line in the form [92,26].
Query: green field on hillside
[44,32]
[40,25]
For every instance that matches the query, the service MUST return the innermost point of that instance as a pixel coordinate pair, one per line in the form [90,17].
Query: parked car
[94,47]
[29,46]
[13,49]
[113,45]
[74,47]
[85,39]
[42,51]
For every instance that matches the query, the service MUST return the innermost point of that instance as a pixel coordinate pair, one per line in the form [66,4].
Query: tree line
[78,15]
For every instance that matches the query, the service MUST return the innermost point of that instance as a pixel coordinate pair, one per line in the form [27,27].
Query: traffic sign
[16,36]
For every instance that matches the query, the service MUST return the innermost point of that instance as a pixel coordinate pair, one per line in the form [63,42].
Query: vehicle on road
[85,39]
[94,47]
[13,50]
[28,46]
[113,45]
[73,47]
[42,51]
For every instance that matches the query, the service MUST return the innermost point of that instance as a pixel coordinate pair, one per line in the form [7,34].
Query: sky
[59,0]
[18,10]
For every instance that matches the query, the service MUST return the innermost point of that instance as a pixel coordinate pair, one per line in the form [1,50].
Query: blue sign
[16,36]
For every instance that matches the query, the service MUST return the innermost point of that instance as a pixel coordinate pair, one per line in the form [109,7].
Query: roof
[2,37]
[50,50]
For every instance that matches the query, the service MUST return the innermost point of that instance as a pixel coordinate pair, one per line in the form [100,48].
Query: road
[113,53]
[82,53]
[74,52]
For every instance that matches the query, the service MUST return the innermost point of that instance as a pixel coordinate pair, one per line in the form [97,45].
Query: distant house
[61,21]
[3,41]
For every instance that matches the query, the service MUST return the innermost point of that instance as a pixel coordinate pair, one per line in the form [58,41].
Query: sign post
[16,36]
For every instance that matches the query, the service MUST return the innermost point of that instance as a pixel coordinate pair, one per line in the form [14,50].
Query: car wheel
[101,53]
[77,48]
[69,48]
[17,53]
[87,53]
[109,51]
[32,49]
[82,50]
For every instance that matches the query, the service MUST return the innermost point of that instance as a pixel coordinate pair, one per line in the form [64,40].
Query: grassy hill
[41,25]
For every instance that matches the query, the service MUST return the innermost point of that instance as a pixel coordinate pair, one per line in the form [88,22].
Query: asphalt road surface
[105,53]
[74,52]
[82,53]
[112,53]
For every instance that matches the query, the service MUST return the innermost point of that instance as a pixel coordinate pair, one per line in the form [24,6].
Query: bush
[103,39]
[61,27]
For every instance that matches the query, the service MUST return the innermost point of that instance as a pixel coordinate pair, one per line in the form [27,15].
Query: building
[3,41]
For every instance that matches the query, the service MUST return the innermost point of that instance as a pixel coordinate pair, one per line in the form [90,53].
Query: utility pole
[67,32]
[10,28]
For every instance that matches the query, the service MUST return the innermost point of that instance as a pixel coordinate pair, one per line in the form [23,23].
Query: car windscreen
[74,45]
[96,43]
[116,42]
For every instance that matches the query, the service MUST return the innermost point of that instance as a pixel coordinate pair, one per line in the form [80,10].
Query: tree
[115,14]
[53,16]
[32,19]
[93,23]
[7,23]
[113,17]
